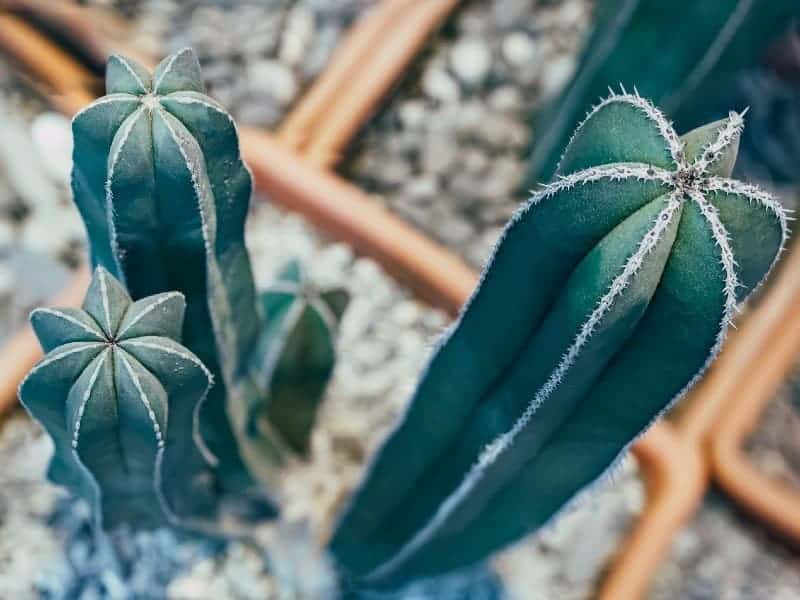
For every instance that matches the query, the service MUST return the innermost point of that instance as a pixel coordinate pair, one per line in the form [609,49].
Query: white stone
[557,73]
[52,134]
[471,61]
[7,235]
[507,99]
[519,49]
[7,279]
[412,114]
[440,85]
[273,78]
[297,35]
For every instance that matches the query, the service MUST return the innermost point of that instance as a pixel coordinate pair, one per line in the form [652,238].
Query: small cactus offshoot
[120,397]
[295,353]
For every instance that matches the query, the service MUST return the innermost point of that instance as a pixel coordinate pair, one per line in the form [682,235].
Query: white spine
[726,135]
[68,318]
[76,431]
[143,397]
[125,132]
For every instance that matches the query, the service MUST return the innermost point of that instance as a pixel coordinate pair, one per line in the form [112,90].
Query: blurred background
[445,114]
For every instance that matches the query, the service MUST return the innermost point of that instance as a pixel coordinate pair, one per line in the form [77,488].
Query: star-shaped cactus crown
[625,137]
[119,395]
[295,353]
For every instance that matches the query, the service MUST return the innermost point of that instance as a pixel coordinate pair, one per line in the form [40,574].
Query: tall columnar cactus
[160,183]
[295,353]
[692,51]
[119,395]
[609,294]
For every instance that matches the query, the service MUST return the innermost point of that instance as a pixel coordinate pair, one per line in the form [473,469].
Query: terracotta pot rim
[771,501]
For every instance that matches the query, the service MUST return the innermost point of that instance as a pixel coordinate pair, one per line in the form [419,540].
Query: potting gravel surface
[258,56]
[447,151]
[41,234]
[775,444]
[722,555]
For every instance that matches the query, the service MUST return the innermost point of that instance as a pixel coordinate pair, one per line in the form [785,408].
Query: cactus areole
[607,297]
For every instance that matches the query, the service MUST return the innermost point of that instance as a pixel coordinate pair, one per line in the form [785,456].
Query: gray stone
[519,49]
[471,61]
[274,79]
[439,85]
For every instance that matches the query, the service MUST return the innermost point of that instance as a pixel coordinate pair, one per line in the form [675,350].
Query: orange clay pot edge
[45,61]
[379,75]
[675,479]
[773,502]
[346,62]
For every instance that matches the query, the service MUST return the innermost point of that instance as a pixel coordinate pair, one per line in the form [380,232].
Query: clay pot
[773,502]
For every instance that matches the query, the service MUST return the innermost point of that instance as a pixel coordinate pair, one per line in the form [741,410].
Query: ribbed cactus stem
[608,295]
[120,396]
[159,180]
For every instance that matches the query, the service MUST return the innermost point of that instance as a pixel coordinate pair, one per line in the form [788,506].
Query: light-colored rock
[52,134]
[274,79]
[297,35]
[519,49]
[439,85]
[471,61]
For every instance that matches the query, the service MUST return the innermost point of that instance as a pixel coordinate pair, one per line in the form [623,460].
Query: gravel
[775,444]
[257,57]
[448,147]
[722,555]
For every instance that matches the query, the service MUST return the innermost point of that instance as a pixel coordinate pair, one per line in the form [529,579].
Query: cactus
[119,395]
[692,50]
[608,295]
[159,181]
[295,353]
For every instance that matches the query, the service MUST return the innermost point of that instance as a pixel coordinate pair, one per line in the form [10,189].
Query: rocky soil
[775,444]
[258,56]
[446,153]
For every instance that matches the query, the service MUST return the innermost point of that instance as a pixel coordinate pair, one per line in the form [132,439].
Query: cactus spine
[608,295]
[160,183]
[119,395]
[295,353]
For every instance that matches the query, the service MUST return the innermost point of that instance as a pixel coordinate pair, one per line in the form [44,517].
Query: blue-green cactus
[160,183]
[608,295]
[683,55]
[295,353]
[120,396]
